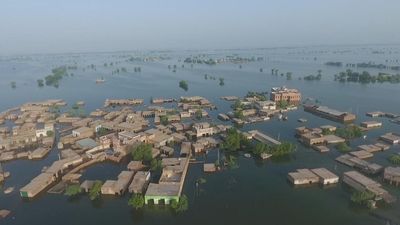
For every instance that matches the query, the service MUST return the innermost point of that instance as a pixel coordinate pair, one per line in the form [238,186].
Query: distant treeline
[364,65]
[365,77]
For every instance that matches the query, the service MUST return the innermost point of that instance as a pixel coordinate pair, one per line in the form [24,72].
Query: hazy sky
[49,26]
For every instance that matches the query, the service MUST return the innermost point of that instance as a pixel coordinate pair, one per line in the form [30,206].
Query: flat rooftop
[162,190]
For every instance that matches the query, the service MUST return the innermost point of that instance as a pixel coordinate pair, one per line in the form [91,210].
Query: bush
[155,165]
[164,120]
[235,141]
[349,132]
[184,85]
[395,159]
[181,205]
[362,197]
[73,190]
[283,149]
[50,133]
[343,147]
[94,193]
[142,152]
[136,201]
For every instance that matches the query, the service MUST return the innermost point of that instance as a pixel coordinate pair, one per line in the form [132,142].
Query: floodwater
[255,193]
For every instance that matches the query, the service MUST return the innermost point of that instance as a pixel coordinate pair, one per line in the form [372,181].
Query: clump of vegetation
[365,77]
[313,77]
[57,74]
[102,131]
[283,104]
[77,111]
[40,82]
[73,190]
[235,141]
[343,147]
[142,152]
[338,64]
[155,165]
[184,85]
[395,159]
[199,114]
[238,114]
[288,76]
[284,149]
[231,162]
[164,120]
[237,105]
[221,81]
[362,198]
[181,205]
[136,201]
[349,132]
[261,96]
[94,193]
[260,148]
[50,133]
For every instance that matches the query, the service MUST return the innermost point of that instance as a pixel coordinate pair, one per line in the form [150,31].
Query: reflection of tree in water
[137,215]
[97,203]
[231,183]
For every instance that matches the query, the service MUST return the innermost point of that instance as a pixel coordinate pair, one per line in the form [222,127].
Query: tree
[343,147]
[349,132]
[362,197]
[235,141]
[40,82]
[237,104]
[283,149]
[288,76]
[155,165]
[142,152]
[164,120]
[94,193]
[221,81]
[395,159]
[260,148]
[199,114]
[181,205]
[136,201]
[184,85]
[102,131]
[73,190]
[13,84]
[282,104]
[50,133]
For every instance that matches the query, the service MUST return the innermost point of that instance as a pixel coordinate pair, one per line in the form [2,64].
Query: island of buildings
[114,132]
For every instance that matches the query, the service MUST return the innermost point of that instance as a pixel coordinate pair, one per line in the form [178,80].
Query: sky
[58,26]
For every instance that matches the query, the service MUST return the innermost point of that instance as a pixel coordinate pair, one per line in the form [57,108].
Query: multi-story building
[292,96]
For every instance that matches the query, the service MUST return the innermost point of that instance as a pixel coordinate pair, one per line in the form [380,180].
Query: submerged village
[161,140]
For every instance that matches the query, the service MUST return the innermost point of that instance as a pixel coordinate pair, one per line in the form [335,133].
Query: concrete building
[331,114]
[303,176]
[326,177]
[392,175]
[83,132]
[292,96]
[139,182]
[162,193]
[119,186]
[371,124]
[363,183]
[392,138]
[203,129]
[265,105]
